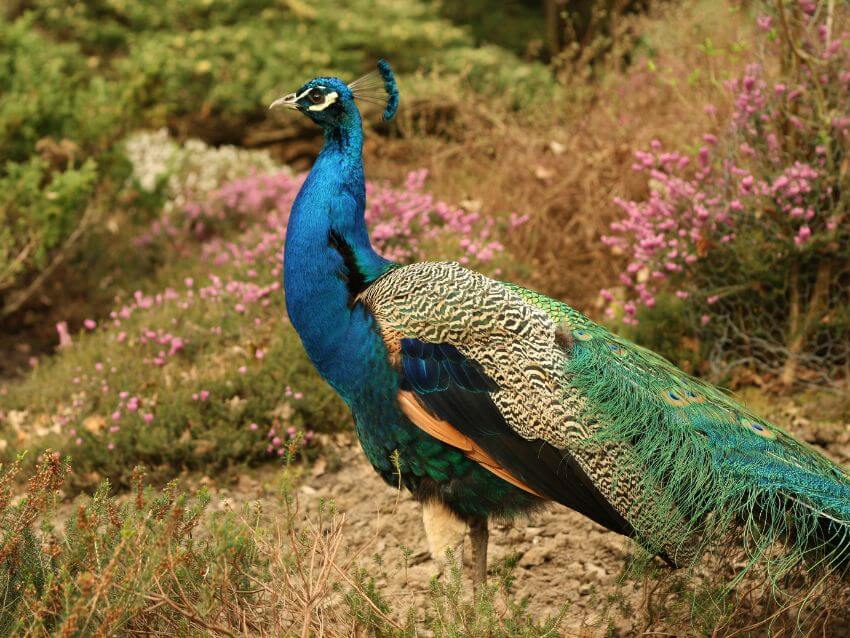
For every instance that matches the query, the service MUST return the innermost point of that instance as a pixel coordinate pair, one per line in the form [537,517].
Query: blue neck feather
[319,273]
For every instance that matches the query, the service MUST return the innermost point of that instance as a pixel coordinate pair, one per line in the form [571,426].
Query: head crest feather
[378,87]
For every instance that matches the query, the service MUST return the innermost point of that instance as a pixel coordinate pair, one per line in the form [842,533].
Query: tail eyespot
[582,335]
[675,397]
[759,429]
[617,350]
[694,397]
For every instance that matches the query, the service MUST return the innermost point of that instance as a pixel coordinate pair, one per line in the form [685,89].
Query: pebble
[537,555]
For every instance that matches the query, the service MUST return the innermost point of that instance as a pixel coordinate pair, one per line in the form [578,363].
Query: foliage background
[144,191]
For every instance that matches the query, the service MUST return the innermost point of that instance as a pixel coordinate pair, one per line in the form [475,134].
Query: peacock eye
[316,96]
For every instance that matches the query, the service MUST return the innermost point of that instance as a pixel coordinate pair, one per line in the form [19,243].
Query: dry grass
[156,563]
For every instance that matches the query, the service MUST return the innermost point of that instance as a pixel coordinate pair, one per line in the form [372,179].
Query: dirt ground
[564,558]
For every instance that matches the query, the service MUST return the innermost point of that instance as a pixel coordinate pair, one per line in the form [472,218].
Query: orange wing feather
[446,432]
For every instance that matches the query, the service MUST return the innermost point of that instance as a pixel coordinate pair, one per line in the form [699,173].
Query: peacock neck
[328,254]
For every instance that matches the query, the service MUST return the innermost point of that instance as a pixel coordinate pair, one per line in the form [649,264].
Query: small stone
[532,534]
[543,174]
[557,148]
[319,467]
[537,555]
[595,571]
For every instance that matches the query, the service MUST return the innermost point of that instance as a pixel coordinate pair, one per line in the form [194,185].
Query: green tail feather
[720,468]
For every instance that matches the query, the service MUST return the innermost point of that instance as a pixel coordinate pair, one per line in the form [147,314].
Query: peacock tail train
[726,470]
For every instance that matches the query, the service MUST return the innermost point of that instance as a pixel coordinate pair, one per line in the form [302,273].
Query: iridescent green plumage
[721,465]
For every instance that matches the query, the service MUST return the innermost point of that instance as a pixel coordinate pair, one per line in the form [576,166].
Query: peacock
[487,399]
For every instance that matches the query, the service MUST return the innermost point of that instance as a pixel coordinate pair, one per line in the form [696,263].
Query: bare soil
[564,559]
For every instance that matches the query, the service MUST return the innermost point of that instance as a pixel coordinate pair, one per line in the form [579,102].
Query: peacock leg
[445,532]
[478,537]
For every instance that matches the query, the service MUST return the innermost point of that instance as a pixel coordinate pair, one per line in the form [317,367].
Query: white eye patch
[330,98]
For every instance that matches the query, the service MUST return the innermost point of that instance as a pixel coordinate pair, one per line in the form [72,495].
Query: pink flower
[147,417]
[803,235]
[176,345]
[89,324]
[64,335]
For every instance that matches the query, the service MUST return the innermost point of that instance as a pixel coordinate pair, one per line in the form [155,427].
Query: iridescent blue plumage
[329,259]
[391,87]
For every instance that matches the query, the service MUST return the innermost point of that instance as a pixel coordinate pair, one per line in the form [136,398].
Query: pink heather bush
[758,215]
[401,220]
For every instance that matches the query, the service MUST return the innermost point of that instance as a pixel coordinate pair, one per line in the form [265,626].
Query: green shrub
[53,93]
[76,77]
[38,210]
[118,566]
[55,119]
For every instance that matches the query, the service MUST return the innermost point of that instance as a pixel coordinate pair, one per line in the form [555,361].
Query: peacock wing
[486,371]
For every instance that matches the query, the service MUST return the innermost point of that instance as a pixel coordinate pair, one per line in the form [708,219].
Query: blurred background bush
[77,77]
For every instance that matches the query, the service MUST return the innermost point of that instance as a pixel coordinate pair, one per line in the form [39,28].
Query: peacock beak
[287,101]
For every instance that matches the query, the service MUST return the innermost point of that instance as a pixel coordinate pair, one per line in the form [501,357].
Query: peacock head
[327,101]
